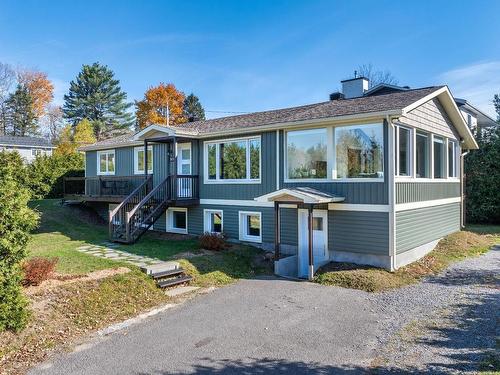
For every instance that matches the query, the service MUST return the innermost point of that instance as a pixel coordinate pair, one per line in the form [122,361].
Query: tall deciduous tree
[7,79]
[193,110]
[159,103]
[21,117]
[40,89]
[376,76]
[96,95]
[71,138]
[53,122]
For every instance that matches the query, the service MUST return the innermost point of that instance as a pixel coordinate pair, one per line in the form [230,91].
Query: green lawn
[63,229]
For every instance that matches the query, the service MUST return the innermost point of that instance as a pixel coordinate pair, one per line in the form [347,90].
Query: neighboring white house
[28,147]
[474,117]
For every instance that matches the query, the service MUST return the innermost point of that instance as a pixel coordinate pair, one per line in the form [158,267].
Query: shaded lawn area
[63,229]
[450,249]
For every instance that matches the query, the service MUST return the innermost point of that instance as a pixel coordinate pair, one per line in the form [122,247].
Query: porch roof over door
[300,195]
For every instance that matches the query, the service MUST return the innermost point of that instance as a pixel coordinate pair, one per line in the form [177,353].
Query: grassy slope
[452,248]
[62,230]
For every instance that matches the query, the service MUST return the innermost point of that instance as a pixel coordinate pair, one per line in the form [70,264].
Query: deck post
[277,239]
[310,244]
[146,158]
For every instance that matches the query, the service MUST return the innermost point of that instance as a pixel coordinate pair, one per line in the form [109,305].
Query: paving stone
[181,290]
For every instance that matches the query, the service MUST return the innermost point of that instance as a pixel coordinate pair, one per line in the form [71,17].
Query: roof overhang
[450,106]
[299,195]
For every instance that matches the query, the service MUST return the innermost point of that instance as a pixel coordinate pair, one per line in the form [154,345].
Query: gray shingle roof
[25,141]
[332,108]
[329,109]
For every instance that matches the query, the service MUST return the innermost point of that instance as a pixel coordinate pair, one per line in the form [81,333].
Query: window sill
[142,172]
[177,230]
[228,182]
[327,180]
[105,174]
[251,239]
[418,179]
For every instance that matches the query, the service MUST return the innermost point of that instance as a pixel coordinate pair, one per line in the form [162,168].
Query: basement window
[250,226]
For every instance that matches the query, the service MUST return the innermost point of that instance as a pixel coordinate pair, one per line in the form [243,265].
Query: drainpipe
[462,195]
[391,193]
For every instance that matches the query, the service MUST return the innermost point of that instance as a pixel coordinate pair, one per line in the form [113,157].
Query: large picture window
[139,160]
[106,162]
[360,151]
[306,154]
[233,160]
[439,161]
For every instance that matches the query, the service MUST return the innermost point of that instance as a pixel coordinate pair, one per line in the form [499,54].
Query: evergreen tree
[96,95]
[16,222]
[20,115]
[193,110]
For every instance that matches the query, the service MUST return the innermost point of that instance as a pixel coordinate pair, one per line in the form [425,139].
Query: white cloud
[477,83]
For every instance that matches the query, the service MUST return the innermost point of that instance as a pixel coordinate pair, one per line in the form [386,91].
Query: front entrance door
[320,240]
[184,185]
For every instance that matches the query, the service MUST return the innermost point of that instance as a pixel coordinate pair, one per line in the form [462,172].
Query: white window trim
[411,159]
[218,180]
[442,140]
[99,153]
[136,160]
[331,151]
[170,220]
[242,226]
[207,227]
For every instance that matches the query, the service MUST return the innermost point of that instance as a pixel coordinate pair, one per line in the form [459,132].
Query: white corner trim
[235,202]
[277,159]
[423,204]
[358,207]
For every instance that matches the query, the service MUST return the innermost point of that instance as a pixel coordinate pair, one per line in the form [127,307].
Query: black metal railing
[140,210]
[118,216]
[102,186]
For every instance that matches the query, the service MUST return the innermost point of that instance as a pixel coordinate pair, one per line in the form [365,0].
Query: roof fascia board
[297,124]
[452,109]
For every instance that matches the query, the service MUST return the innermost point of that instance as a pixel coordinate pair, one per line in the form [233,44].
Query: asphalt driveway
[280,326]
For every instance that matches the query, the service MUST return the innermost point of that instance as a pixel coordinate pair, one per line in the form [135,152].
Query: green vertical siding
[407,192]
[423,225]
[289,226]
[231,220]
[244,191]
[160,162]
[91,163]
[359,232]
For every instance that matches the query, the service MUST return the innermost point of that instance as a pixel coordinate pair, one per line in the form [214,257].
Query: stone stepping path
[111,251]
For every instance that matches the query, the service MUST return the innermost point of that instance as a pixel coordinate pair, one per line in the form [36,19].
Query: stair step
[161,274]
[175,281]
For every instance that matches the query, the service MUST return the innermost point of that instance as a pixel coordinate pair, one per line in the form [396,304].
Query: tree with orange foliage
[40,89]
[157,102]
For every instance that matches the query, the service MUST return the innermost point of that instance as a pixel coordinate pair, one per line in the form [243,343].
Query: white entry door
[184,185]
[320,240]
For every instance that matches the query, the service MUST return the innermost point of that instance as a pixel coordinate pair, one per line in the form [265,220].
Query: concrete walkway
[110,250]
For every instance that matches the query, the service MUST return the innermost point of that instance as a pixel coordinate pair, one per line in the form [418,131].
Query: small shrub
[213,241]
[38,269]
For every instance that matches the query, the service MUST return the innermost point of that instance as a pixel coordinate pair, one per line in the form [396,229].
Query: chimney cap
[354,79]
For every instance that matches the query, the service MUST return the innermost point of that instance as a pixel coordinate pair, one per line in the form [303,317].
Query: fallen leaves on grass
[452,248]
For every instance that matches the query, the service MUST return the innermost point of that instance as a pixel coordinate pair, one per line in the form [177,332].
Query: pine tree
[20,115]
[193,110]
[96,95]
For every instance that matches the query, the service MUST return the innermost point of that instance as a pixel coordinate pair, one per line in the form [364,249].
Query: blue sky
[243,56]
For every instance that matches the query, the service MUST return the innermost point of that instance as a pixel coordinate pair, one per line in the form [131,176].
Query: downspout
[391,194]
[462,195]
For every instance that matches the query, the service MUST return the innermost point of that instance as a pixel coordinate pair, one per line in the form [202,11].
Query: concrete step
[174,292]
[160,267]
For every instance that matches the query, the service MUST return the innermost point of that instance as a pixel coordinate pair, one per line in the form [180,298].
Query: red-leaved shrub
[38,269]
[213,241]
